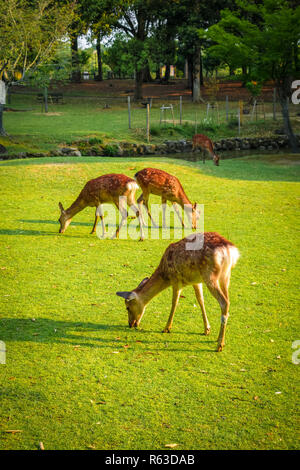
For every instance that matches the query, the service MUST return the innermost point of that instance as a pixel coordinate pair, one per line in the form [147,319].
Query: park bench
[52,97]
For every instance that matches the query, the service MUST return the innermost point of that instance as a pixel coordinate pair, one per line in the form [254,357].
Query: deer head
[64,220]
[216,159]
[134,305]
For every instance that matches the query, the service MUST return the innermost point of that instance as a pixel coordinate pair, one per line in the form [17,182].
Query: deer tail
[132,186]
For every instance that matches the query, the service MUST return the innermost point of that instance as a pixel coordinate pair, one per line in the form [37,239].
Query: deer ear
[61,207]
[127,295]
[143,282]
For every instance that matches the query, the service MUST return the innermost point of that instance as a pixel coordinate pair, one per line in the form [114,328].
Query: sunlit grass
[77,377]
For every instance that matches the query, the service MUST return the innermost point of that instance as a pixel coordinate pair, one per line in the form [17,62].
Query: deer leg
[146,199]
[123,212]
[175,298]
[178,214]
[199,296]
[99,214]
[164,207]
[224,281]
[139,216]
[140,206]
[95,223]
[224,304]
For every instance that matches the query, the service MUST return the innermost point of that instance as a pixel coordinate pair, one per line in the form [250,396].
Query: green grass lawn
[76,377]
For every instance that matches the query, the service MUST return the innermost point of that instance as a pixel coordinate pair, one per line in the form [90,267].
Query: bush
[111,150]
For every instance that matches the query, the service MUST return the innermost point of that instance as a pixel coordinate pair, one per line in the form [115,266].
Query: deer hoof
[220,347]
[207,331]
[166,330]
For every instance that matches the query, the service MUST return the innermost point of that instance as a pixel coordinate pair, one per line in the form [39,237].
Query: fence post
[46,99]
[241,106]
[239,120]
[227,108]
[129,112]
[148,123]
[180,109]
[274,104]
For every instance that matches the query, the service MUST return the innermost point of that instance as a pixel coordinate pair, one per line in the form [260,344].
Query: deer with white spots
[188,263]
[113,188]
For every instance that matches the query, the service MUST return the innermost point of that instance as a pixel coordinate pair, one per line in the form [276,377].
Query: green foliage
[266,44]
[110,150]
[254,87]
[31,31]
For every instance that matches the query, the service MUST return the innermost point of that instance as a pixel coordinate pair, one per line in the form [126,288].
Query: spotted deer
[207,147]
[169,188]
[105,189]
[211,263]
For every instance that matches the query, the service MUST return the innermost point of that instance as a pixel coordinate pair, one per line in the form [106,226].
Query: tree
[267,46]
[32,29]
[191,16]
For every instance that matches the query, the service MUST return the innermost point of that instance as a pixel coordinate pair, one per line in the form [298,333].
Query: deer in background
[105,189]
[160,183]
[206,145]
[179,267]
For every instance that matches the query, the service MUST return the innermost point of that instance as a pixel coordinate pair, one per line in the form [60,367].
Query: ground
[173,89]
[76,377]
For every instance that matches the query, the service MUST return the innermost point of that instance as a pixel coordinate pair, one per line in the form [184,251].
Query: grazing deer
[160,183]
[179,267]
[105,189]
[206,146]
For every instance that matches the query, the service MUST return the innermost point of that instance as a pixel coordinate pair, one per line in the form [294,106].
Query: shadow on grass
[44,330]
[53,222]
[251,166]
[87,224]
[257,167]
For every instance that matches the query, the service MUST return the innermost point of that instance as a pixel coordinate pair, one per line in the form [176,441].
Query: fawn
[179,266]
[105,189]
[206,146]
[160,183]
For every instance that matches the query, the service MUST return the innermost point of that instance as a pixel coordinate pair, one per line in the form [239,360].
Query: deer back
[202,141]
[108,188]
[161,183]
[184,266]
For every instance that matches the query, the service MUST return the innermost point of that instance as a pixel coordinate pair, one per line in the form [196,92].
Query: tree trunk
[167,74]
[196,78]
[99,75]
[2,131]
[147,75]
[157,73]
[201,70]
[190,73]
[76,75]
[287,123]
[46,99]
[138,95]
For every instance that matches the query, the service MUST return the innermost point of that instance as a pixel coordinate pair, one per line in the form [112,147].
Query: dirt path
[175,88]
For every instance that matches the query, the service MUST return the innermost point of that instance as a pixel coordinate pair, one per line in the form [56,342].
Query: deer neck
[152,287]
[183,200]
[76,207]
